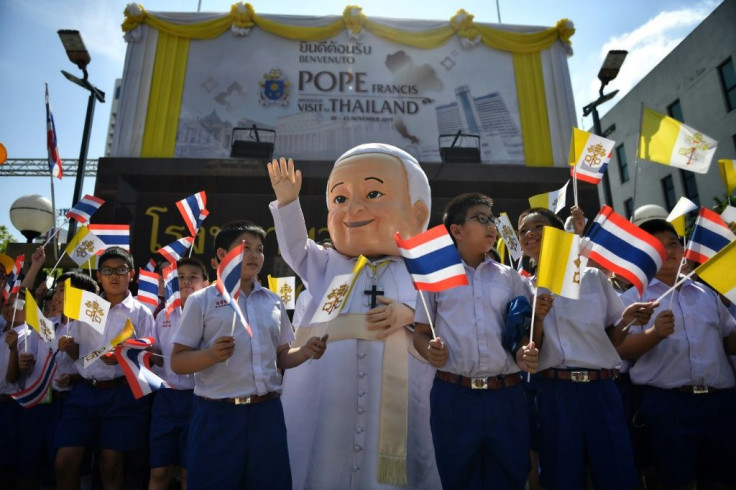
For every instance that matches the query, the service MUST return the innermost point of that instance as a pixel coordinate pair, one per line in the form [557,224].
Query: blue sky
[33,55]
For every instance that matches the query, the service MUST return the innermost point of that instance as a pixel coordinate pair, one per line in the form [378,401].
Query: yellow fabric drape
[171,58]
[533,110]
[164,99]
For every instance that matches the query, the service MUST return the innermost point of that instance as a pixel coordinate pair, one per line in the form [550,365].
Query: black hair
[658,226]
[230,231]
[116,253]
[553,219]
[79,281]
[194,262]
[457,208]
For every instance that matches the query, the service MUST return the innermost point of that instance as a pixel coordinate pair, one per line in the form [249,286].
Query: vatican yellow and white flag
[510,240]
[554,201]
[42,325]
[560,263]
[677,215]
[729,217]
[589,155]
[126,333]
[668,141]
[728,174]
[85,306]
[84,245]
[285,287]
[337,294]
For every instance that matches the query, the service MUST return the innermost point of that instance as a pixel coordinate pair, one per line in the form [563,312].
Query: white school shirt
[694,354]
[7,388]
[575,330]
[470,320]
[90,340]
[251,370]
[163,333]
[341,450]
[64,363]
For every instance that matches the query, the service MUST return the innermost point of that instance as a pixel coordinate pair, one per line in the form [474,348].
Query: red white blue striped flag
[623,248]
[194,210]
[176,250]
[432,260]
[12,282]
[228,281]
[51,143]
[112,235]
[710,235]
[38,389]
[136,364]
[148,288]
[171,286]
[85,208]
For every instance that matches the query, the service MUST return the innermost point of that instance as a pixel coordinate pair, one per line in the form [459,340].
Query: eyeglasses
[482,219]
[109,271]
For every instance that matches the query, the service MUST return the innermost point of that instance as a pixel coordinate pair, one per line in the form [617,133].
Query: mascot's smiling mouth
[358,224]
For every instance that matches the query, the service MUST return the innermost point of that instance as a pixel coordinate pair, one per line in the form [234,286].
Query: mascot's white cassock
[358,417]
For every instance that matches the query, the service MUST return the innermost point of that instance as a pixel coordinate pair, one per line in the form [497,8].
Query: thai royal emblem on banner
[275,88]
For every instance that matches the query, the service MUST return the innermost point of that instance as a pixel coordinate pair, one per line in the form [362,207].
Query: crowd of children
[221,423]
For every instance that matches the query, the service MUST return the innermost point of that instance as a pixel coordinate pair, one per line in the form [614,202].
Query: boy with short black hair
[101,408]
[480,435]
[171,409]
[688,404]
[237,435]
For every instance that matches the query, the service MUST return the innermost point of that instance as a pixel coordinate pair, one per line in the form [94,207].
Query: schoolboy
[172,408]
[481,440]
[101,408]
[237,435]
[688,405]
[581,417]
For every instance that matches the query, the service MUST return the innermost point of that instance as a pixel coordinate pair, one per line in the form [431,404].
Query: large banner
[322,97]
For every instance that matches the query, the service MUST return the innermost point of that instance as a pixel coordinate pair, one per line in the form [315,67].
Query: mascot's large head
[374,191]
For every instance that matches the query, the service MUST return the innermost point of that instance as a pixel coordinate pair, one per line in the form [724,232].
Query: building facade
[696,84]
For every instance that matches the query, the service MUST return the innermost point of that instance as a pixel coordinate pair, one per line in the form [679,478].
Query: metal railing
[39,167]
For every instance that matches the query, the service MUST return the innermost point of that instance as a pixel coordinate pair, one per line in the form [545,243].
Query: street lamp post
[609,71]
[78,54]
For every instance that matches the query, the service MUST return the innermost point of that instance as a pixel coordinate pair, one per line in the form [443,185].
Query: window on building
[668,188]
[629,207]
[728,82]
[623,165]
[674,110]
[690,186]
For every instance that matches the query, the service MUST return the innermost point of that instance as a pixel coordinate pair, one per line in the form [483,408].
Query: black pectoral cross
[373,292]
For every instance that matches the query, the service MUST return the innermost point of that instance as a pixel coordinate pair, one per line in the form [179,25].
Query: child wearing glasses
[100,409]
[480,435]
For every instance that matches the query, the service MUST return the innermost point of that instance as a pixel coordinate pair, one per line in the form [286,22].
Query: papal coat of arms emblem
[275,89]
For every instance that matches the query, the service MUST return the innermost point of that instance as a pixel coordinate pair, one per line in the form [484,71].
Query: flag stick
[677,283]
[191,247]
[232,332]
[57,263]
[531,327]
[679,270]
[575,184]
[429,317]
[636,160]
[56,232]
[89,267]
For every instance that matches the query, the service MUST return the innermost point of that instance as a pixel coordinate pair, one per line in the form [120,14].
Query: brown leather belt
[579,375]
[105,384]
[492,383]
[696,389]
[245,400]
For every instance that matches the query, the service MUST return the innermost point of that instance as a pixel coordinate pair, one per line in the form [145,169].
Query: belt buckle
[579,377]
[242,400]
[479,383]
[700,389]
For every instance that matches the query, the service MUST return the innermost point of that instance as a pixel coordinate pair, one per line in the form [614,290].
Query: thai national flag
[710,234]
[176,250]
[51,143]
[136,364]
[623,248]
[12,282]
[112,235]
[85,208]
[228,281]
[148,288]
[193,210]
[432,260]
[38,389]
[150,266]
[171,286]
